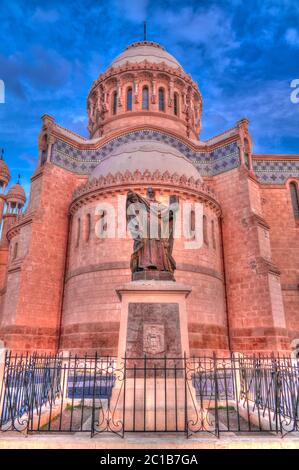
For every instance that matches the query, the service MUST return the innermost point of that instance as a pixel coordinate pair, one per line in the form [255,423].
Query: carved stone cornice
[15,266]
[21,221]
[259,221]
[121,182]
[262,265]
[108,266]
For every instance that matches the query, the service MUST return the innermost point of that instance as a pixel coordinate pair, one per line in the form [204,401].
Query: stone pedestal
[153,319]
[154,337]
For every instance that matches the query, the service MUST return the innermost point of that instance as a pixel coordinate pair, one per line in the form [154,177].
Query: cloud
[48,16]
[267,105]
[209,27]
[292,37]
[133,10]
[28,158]
[203,36]
[39,69]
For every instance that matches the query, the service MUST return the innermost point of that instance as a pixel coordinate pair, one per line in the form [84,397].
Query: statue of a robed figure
[151,225]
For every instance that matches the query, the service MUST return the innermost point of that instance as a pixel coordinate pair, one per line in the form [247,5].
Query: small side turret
[15,198]
[4,180]
[15,201]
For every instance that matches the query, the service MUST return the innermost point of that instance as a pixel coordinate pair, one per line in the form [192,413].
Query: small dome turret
[4,173]
[16,198]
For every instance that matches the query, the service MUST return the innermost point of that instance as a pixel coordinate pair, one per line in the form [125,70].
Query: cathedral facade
[60,282]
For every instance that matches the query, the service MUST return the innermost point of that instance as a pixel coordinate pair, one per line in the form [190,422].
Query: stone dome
[16,193]
[4,172]
[145,50]
[146,155]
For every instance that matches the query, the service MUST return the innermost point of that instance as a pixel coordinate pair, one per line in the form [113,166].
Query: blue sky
[242,54]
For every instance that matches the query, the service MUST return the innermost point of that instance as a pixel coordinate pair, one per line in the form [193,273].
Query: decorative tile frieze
[275,171]
[217,161]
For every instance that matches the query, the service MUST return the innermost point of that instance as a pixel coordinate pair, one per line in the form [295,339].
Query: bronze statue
[151,225]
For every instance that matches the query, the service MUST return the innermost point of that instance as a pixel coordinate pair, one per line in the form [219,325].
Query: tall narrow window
[295,199]
[161,99]
[114,102]
[205,229]
[176,104]
[192,224]
[213,234]
[15,251]
[103,225]
[129,99]
[145,98]
[192,220]
[78,232]
[87,227]
[246,154]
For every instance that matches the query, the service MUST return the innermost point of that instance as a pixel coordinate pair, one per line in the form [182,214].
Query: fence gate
[149,394]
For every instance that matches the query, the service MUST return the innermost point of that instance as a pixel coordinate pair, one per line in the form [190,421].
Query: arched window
[145,98]
[213,234]
[129,99]
[176,104]
[13,206]
[161,99]
[205,230]
[114,102]
[87,227]
[295,199]
[78,232]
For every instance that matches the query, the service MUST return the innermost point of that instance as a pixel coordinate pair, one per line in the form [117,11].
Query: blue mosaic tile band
[275,171]
[83,162]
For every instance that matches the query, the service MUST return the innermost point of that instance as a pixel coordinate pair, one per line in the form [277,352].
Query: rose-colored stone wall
[256,315]
[129,120]
[284,231]
[32,306]
[3,266]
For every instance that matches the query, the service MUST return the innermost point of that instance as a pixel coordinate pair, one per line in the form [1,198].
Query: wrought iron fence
[149,394]
[271,386]
[29,383]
